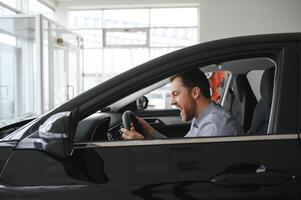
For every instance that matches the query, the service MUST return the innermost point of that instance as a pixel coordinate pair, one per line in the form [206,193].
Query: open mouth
[181,111]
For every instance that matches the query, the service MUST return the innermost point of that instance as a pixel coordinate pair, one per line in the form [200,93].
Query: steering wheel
[129,119]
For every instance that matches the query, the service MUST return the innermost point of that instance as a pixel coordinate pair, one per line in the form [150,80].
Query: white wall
[228,18]
[218,18]
[61,15]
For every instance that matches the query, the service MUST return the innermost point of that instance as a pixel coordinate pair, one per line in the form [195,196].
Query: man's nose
[173,102]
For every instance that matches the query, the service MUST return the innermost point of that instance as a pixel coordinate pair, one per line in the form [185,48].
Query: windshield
[4,122]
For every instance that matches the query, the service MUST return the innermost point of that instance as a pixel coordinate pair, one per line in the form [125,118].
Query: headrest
[266,85]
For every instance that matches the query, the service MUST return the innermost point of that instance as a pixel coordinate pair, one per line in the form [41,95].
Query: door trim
[191,140]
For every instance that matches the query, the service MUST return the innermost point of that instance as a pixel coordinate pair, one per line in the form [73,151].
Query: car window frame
[277,55]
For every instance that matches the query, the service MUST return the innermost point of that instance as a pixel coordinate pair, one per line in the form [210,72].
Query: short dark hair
[194,78]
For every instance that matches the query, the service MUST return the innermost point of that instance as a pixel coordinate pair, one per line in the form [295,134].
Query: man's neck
[202,105]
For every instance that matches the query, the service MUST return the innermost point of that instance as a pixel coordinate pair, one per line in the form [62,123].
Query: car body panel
[6,148]
[158,169]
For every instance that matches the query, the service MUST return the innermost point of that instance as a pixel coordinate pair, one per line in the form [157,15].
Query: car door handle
[250,176]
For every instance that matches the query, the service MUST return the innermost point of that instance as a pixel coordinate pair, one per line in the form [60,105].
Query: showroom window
[5,11]
[116,40]
[20,94]
[9,7]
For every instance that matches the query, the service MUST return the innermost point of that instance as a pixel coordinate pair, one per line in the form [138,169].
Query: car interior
[246,91]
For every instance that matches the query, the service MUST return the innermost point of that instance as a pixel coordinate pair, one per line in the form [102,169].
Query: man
[190,92]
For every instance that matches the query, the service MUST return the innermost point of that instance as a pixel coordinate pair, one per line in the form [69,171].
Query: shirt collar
[209,108]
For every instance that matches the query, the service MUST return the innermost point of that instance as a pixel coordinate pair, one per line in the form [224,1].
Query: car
[75,151]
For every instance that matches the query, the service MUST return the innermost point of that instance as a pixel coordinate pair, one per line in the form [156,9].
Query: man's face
[181,97]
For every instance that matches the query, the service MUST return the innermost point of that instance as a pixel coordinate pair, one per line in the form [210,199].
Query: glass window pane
[60,78]
[169,37]
[46,74]
[91,80]
[134,39]
[92,61]
[92,38]
[173,17]
[85,19]
[126,18]
[72,81]
[5,11]
[126,37]
[117,61]
[8,39]
[20,50]
[7,84]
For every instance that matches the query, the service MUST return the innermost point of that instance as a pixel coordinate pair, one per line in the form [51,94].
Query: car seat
[243,101]
[262,110]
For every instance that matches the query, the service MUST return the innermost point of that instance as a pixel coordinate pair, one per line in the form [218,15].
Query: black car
[75,151]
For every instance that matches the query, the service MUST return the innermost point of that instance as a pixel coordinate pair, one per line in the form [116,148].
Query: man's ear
[196,92]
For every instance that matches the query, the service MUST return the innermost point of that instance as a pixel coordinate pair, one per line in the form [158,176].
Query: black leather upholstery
[244,101]
[262,110]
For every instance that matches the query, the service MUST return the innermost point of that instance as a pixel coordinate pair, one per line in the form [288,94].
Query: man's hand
[131,134]
[148,130]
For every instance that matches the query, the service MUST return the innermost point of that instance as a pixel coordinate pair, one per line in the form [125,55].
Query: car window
[160,99]
[229,80]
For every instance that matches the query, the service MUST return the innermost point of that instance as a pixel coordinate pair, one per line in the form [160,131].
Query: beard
[187,113]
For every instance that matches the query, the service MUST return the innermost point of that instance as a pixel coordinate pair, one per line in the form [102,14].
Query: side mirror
[54,133]
[53,136]
[142,103]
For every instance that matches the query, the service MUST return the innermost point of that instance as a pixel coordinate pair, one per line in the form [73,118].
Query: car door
[222,167]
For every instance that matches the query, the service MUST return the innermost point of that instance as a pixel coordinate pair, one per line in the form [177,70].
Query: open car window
[160,99]
[235,85]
